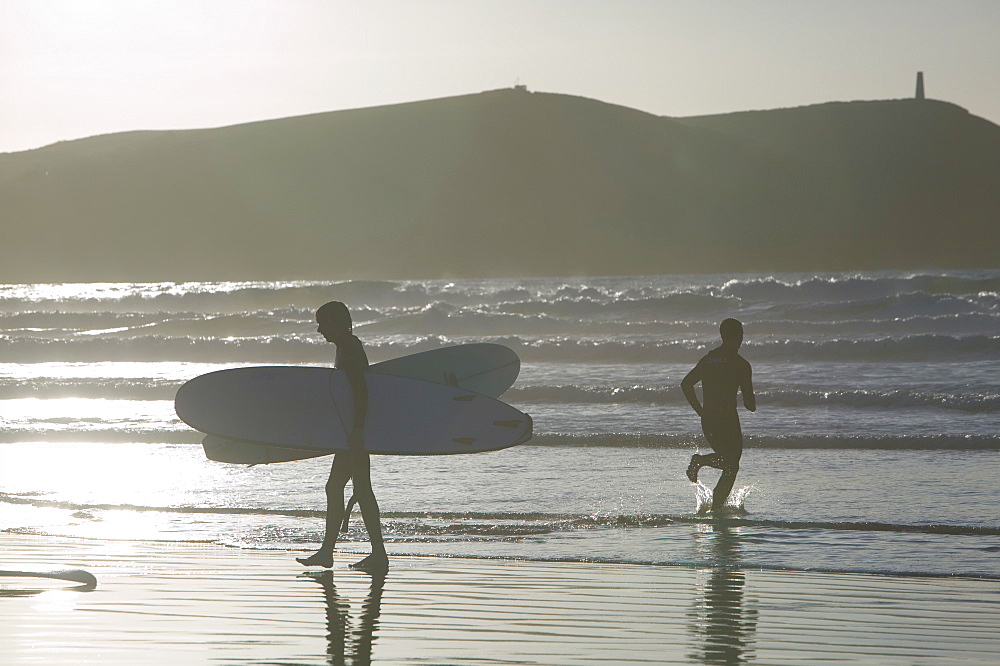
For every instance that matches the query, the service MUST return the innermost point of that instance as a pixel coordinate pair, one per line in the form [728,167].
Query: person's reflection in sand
[346,644]
[724,627]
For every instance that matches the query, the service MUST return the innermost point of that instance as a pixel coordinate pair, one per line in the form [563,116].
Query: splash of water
[734,505]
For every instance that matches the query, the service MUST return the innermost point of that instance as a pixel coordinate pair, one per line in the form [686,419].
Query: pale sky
[75,68]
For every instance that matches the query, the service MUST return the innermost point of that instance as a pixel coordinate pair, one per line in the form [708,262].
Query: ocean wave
[923,348]
[524,319]
[482,321]
[885,308]
[929,348]
[683,304]
[977,323]
[889,442]
[259,350]
[121,326]
[97,388]
[635,319]
[986,402]
[518,524]
[856,287]
[39,502]
[149,348]
[177,433]
[220,297]
[100,435]
[976,403]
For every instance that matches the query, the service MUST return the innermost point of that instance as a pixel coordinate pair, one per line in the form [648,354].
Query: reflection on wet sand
[346,644]
[722,620]
[28,592]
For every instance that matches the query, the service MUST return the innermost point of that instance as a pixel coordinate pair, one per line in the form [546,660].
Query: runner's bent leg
[730,451]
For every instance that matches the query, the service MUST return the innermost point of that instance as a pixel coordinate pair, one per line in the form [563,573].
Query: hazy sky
[74,68]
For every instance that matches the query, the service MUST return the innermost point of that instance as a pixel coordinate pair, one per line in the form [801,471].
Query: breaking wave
[497,524]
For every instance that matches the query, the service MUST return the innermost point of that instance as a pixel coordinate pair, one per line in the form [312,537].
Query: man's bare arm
[687,386]
[746,388]
[359,386]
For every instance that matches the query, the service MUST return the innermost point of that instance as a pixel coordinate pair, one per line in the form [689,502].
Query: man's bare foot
[693,467]
[372,564]
[320,559]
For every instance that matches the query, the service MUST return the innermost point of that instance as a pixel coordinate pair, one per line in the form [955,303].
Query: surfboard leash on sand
[347,512]
[86,579]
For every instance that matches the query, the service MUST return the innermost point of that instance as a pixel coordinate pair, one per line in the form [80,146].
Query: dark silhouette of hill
[893,184]
[509,183]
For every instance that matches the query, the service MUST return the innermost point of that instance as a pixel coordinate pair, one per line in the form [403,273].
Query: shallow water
[840,510]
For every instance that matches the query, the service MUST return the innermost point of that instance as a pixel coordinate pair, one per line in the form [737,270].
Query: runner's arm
[746,388]
[687,385]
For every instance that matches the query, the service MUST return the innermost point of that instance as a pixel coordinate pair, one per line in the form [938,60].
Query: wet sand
[165,602]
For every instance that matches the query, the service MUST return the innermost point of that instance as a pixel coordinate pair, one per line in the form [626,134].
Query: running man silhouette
[722,372]
[335,326]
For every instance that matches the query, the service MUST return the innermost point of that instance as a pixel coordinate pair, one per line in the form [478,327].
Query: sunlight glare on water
[107,474]
[70,291]
[82,414]
[54,371]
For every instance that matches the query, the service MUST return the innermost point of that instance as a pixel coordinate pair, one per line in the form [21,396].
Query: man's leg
[725,484]
[729,449]
[713,435]
[361,474]
[340,473]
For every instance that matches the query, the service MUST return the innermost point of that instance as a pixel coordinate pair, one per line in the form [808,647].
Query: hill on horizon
[510,183]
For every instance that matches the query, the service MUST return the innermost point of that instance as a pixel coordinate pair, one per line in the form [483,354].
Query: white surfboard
[485,368]
[242,452]
[482,367]
[310,408]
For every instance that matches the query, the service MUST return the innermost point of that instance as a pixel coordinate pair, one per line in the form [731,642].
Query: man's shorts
[724,434]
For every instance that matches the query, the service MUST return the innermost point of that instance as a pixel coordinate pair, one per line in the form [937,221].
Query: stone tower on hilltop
[920,85]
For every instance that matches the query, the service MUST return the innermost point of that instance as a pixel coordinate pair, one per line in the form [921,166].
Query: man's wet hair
[730,328]
[337,311]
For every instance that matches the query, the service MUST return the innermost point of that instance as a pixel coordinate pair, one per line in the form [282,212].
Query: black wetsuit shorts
[724,434]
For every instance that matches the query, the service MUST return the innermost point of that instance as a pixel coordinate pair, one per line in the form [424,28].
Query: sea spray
[734,505]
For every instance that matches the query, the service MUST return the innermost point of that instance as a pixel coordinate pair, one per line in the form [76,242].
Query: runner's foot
[320,559]
[693,467]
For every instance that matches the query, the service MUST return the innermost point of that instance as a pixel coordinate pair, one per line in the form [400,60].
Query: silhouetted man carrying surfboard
[722,372]
[335,325]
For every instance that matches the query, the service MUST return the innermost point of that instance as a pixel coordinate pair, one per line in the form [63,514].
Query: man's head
[334,321]
[731,331]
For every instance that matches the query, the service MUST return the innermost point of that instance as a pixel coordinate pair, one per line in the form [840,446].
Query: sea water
[875,446]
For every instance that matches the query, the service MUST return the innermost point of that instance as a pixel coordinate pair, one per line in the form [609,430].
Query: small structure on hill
[920,85]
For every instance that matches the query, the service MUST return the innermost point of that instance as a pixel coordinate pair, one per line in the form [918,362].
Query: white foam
[735,503]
